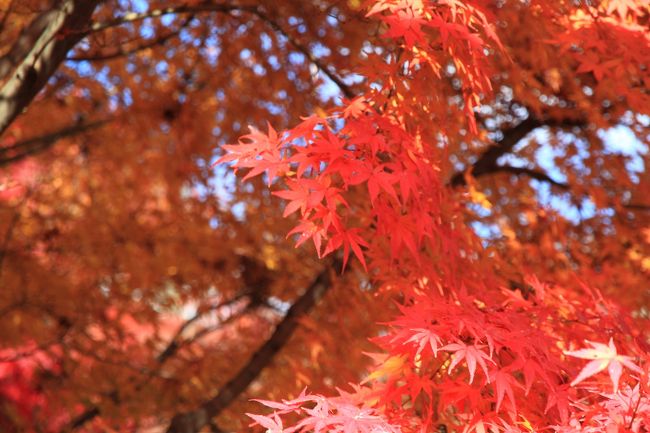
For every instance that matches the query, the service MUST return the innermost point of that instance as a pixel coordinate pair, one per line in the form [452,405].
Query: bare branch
[486,164]
[121,52]
[87,416]
[194,421]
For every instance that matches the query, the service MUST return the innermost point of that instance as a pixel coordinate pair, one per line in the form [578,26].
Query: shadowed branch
[194,421]
[487,164]
[487,161]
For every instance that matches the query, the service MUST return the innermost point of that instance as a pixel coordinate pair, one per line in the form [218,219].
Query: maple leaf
[629,400]
[623,7]
[307,229]
[273,424]
[559,399]
[308,194]
[472,354]
[461,393]
[300,197]
[382,180]
[504,383]
[288,405]
[355,108]
[417,384]
[401,231]
[127,208]
[251,146]
[350,240]
[407,24]
[306,128]
[604,356]
[258,151]
[425,337]
[392,366]
[353,171]
[378,7]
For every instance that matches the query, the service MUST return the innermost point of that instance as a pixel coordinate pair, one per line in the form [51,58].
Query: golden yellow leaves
[389,366]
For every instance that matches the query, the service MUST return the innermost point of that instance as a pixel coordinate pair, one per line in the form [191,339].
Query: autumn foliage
[439,219]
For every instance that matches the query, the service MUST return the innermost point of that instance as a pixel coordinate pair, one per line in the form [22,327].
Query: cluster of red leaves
[437,33]
[346,413]
[613,47]
[519,359]
[321,168]
[465,350]
[20,397]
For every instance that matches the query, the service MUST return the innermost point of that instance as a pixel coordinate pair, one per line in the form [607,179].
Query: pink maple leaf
[603,356]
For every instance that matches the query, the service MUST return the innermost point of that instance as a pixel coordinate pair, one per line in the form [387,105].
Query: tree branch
[637,207]
[122,52]
[133,17]
[532,173]
[345,89]
[487,161]
[40,49]
[175,343]
[206,6]
[31,146]
[249,300]
[194,421]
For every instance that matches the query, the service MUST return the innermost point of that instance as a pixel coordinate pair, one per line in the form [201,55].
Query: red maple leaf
[472,354]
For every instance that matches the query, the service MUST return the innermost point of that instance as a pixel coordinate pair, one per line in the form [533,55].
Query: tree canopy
[438,218]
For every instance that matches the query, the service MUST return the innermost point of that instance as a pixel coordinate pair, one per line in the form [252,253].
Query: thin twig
[121,52]
[532,173]
[209,7]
